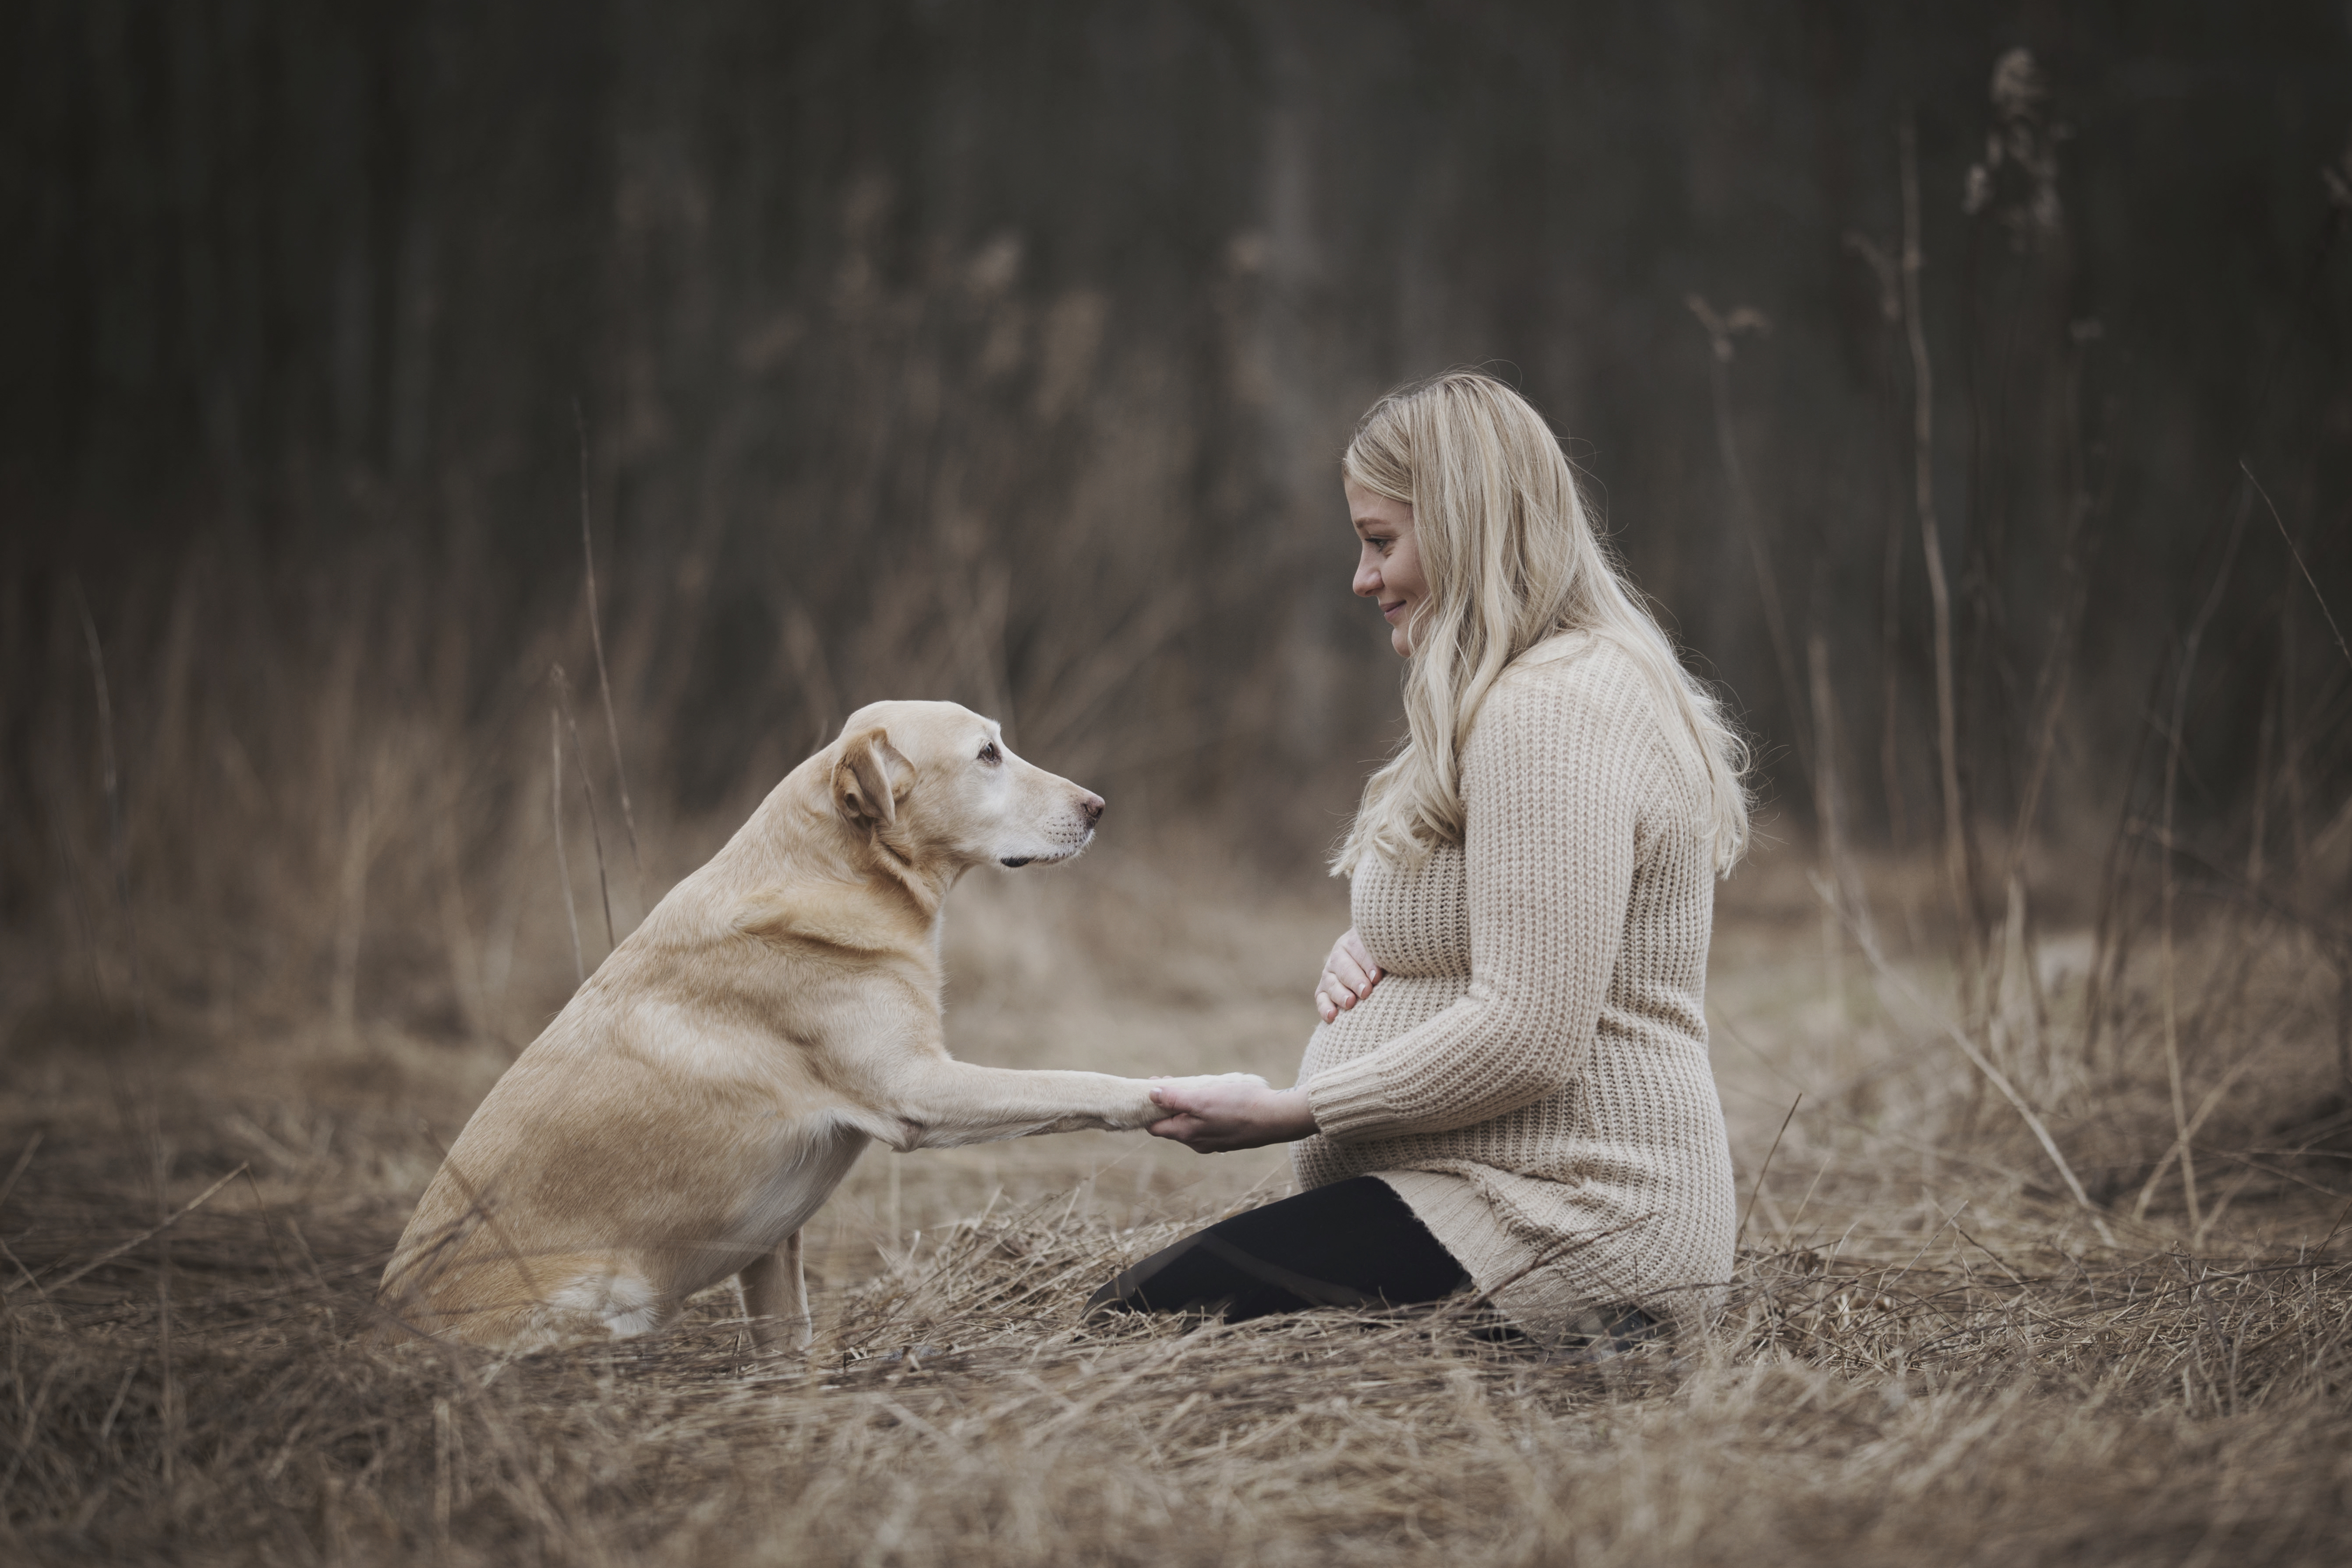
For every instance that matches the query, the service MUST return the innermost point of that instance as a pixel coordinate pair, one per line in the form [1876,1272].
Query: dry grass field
[1936,1354]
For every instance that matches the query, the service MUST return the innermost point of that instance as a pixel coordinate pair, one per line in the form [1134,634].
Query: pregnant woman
[1509,1090]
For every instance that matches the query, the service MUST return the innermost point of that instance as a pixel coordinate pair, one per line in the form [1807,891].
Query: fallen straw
[112,1253]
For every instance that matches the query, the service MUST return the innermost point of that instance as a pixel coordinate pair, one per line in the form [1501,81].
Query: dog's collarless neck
[925,892]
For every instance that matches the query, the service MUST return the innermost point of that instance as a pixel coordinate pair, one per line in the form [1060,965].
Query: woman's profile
[1510,1089]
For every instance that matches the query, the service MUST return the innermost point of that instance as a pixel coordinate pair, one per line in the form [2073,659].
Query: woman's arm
[1553,779]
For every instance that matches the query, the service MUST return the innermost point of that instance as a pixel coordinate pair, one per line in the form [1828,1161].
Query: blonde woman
[1510,1089]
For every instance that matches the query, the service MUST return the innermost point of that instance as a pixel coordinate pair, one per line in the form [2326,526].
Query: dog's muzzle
[1056,855]
[1090,806]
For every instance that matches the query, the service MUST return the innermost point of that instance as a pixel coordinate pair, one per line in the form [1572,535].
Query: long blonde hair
[1511,558]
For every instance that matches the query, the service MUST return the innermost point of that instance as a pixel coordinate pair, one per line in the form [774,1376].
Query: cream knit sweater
[1531,1074]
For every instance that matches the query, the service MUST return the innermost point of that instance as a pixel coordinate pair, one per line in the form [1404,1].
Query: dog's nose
[1092,804]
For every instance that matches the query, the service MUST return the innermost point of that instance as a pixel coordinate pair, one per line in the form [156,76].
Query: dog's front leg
[943,1103]
[775,1294]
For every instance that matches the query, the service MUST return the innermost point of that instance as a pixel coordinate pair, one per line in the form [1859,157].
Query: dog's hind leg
[776,1290]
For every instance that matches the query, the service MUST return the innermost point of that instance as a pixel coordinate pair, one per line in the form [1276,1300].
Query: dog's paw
[1207,1080]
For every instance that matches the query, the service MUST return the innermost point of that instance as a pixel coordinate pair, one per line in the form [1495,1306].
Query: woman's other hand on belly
[1217,1115]
[1349,976]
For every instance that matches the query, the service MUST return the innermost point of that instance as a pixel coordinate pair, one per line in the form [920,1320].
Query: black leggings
[1352,1244]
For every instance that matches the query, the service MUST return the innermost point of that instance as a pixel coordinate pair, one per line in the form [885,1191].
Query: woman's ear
[872,777]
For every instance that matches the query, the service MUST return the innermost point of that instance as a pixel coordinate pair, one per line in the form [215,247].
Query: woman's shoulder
[1583,683]
[1576,671]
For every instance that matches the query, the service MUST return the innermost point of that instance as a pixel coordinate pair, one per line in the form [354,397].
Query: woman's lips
[1389,611]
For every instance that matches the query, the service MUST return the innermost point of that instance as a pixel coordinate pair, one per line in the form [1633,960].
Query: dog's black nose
[1092,804]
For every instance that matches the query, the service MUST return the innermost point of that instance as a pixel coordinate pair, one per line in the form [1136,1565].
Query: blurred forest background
[1004,354]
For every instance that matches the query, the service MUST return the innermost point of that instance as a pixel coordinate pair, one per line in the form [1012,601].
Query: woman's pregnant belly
[1400,1002]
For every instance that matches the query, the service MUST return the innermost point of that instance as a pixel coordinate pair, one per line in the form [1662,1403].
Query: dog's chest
[1414,922]
[799,1164]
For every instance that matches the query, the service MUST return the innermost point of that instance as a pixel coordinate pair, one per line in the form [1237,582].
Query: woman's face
[1388,570]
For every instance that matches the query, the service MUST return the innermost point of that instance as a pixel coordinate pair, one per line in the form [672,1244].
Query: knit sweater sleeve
[1552,782]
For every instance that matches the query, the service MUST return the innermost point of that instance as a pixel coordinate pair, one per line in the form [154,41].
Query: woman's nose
[1368,580]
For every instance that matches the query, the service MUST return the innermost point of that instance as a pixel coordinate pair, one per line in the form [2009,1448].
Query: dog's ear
[871,779]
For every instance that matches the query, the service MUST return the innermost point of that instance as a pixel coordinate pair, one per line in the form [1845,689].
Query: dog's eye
[989,753]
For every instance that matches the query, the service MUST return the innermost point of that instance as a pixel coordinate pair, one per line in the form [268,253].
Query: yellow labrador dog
[715,1080]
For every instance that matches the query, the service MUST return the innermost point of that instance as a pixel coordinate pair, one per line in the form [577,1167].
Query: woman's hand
[1349,976]
[1236,1110]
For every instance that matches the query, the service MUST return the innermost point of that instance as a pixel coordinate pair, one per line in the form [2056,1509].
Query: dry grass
[1935,1357]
